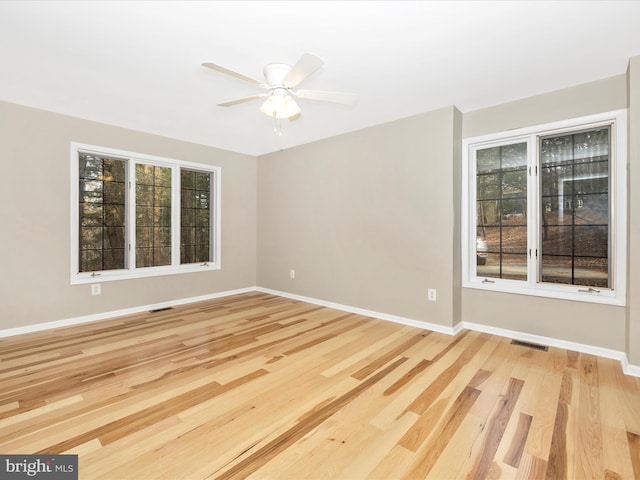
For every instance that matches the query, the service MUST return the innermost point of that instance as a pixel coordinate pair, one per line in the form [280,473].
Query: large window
[135,215]
[545,210]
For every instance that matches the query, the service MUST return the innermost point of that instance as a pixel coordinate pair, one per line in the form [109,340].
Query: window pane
[575,208]
[589,272]
[144,257]
[195,216]
[514,239]
[488,187]
[162,255]
[144,216]
[513,267]
[144,195]
[101,213]
[501,212]
[153,215]
[488,160]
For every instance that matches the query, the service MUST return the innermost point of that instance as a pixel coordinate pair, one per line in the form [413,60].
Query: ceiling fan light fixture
[281,80]
[280,105]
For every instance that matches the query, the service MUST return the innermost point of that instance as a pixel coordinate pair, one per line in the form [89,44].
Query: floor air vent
[160,309]
[529,345]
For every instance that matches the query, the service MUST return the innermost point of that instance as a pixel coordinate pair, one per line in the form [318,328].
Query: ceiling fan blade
[242,100]
[237,75]
[349,99]
[304,67]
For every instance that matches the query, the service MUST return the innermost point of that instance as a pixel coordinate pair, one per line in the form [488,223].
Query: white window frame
[132,271]
[618,219]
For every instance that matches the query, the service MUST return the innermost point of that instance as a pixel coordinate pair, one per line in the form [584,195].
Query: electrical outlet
[292,274]
[95,289]
[431,294]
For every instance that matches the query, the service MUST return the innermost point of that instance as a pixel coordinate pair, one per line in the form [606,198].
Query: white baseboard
[554,342]
[526,337]
[633,370]
[117,313]
[628,369]
[368,313]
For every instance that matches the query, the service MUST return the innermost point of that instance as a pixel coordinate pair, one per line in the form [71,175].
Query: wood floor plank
[326,451]
[257,459]
[516,446]
[589,462]
[540,400]
[496,428]
[433,391]
[420,367]
[616,456]
[634,448]
[365,371]
[558,458]
[360,354]
[422,429]
[531,468]
[260,386]
[392,465]
[365,459]
[428,456]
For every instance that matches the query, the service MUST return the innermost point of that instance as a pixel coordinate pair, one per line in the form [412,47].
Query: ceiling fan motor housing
[274,73]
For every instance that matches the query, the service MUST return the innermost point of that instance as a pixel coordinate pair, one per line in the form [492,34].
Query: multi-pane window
[153,215]
[102,213]
[575,210]
[544,210]
[195,216]
[502,210]
[135,215]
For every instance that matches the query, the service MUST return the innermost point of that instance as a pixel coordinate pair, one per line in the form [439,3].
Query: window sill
[108,276]
[604,296]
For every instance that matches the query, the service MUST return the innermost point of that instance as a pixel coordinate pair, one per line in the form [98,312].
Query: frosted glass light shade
[280,106]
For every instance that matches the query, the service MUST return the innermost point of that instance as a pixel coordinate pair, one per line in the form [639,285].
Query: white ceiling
[138,64]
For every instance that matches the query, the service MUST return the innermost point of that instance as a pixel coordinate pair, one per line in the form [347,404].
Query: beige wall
[35,216]
[366,219]
[585,323]
[633,311]
[586,99]
[369,219]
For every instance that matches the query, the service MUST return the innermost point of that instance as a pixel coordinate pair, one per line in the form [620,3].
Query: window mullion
[175,216]
[214,240]
[132,215]
[573,212]
[534,202]
[501,215]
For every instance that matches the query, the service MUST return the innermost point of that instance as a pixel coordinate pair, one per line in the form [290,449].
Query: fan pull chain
[277,125]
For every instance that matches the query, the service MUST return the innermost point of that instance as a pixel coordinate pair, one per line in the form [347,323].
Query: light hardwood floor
[264,387]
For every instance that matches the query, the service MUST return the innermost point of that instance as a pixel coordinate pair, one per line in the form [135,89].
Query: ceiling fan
[280,84]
